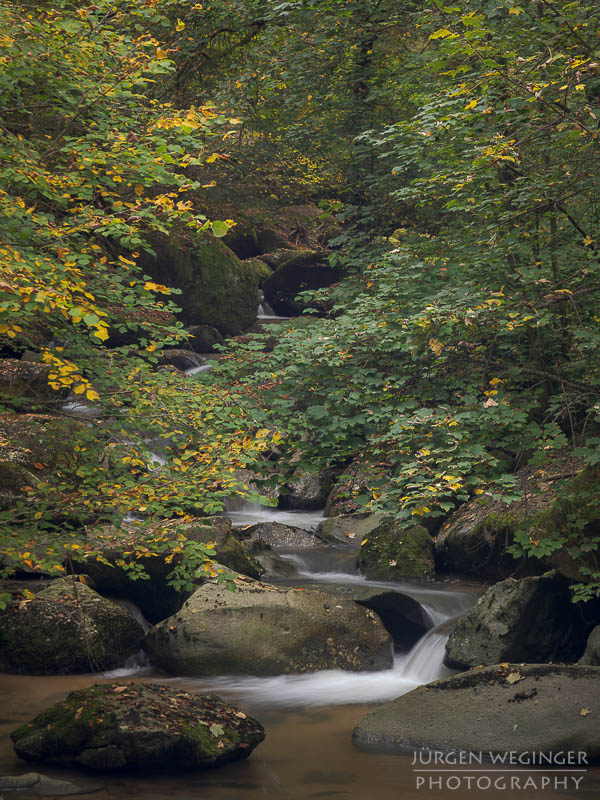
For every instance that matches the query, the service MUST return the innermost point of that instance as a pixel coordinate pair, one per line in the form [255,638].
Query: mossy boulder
[475,539]
[140,726]
[505,708]
[217,289]
[267,630]
[66,628]
[530,619]
[155,595]
[395,553]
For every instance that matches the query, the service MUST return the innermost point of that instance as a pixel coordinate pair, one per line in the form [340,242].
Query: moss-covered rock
[393,553]
[66,628]
[138,727]
[155,595]
[267,630]
[217,288]
[531,619]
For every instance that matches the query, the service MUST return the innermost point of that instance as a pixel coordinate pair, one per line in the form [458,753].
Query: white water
[252,513]
[201,368]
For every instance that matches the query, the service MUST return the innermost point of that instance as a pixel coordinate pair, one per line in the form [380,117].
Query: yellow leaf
[471,105]
[364,541]
[515,10]
[156,287]
[585,711]
[79,389]
[580,87]
[91,394]
[180,25]
[101,333]
[260,434]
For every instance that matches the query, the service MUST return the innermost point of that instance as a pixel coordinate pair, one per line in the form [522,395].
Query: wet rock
[67,627]
[35,784]
[138,727]
[393,553]
[591,656]
[155,596]
[278,535]
[528,619]
[307,491]
[272,564]
[349,529]
[180,359]
[503,708]
[263,629]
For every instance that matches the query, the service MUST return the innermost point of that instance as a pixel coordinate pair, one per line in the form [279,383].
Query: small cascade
[202,368]
[251,513]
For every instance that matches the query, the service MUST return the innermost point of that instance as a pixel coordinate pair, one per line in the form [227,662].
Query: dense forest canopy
[457,147]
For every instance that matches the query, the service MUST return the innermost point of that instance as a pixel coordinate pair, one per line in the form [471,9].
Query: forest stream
[308,751]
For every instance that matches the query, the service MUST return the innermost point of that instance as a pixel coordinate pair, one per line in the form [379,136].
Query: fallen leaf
[514,677]
[585,711]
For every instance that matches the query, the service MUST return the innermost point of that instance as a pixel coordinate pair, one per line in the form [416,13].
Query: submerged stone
[138,727]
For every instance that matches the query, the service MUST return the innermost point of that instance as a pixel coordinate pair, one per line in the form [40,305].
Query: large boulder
[217,289]
[66,628]
[391,552]
[155,594]
[267,630]
[138,727]
[504,709]
[528,619]
[475,539]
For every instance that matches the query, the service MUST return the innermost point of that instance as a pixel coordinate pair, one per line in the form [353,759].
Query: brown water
[308,753]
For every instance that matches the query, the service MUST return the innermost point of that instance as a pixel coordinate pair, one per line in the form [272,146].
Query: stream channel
[309,719]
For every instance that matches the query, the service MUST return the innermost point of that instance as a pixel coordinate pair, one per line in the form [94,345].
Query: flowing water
[309,719]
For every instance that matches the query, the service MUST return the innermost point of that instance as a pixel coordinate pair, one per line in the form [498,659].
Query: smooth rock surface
[591,657]
[523,708]
[140,727]
[268,630]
